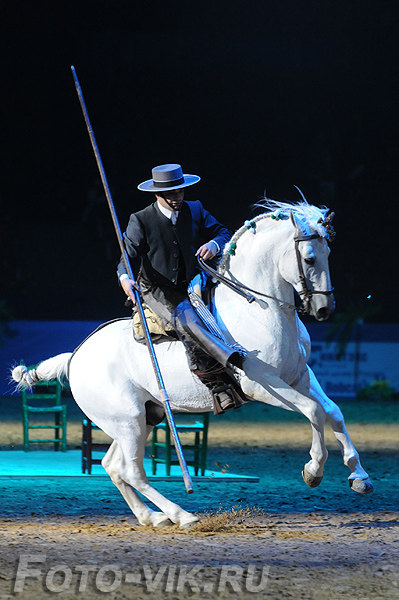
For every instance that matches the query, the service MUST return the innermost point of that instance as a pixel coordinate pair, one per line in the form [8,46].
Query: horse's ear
[299,228]
[294,221]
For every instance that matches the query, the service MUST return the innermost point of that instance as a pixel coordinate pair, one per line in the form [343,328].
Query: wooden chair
[198,448]
[88,446]
[44,398]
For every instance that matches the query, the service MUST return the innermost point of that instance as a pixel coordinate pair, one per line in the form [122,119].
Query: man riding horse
[162,242]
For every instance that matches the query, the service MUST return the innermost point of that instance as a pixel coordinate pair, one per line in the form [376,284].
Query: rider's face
[172,200]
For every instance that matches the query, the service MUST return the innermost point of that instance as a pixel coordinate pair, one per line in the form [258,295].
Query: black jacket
[165,253]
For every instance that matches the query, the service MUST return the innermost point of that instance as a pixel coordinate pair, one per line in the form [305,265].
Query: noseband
[305,293]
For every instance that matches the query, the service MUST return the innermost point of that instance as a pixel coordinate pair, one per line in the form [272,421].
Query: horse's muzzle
[322,313]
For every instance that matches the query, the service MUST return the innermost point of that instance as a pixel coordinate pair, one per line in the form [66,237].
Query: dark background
[252,96]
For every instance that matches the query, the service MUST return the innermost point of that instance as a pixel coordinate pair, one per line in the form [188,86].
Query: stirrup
[225,398]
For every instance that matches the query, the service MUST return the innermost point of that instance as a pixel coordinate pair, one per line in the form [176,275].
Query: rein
[240,287]
[305,293]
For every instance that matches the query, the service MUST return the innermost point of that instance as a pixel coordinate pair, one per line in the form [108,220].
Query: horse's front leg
[264,385]
[359,480]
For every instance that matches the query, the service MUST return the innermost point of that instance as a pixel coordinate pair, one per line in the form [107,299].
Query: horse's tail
[50,369]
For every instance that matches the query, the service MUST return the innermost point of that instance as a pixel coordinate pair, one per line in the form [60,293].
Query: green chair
[198,448]
[44,398]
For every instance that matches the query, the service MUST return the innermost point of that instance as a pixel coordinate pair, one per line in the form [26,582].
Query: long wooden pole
[150,346]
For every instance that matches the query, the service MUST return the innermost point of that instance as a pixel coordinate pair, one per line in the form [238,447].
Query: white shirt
[171,214]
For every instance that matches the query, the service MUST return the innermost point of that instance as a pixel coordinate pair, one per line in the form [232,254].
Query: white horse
[111,376]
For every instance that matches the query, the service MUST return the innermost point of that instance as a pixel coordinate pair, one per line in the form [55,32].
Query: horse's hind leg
[145,516]
[359,480]
[132,472]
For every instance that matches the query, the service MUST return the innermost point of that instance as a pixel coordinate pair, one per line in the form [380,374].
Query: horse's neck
[264,280]
[255,264]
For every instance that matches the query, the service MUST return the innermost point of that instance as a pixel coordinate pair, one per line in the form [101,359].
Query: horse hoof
[311,480]
[161,521]
[362,486]
[189,524]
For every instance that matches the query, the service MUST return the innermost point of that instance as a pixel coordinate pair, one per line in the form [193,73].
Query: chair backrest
[43,393]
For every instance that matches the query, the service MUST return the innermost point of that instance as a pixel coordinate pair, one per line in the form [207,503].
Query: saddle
[158,330]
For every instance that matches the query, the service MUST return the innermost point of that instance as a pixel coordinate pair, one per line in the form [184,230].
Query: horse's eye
[310,261]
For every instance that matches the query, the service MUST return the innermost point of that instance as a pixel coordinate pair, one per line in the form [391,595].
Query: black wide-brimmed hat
[168,177]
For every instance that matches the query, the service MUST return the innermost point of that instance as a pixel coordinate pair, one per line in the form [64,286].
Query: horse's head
[305,263]
[293,238]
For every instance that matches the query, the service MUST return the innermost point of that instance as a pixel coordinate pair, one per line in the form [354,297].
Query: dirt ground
[275,539]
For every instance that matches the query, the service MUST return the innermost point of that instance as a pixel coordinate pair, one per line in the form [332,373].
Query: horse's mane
[302,210]
[307,214]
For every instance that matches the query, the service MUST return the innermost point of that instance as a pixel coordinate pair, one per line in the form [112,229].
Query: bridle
[249,294]
[305,293]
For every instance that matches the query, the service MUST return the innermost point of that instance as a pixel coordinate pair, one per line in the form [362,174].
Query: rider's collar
[170,214]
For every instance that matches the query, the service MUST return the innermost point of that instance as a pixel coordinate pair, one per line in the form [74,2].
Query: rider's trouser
[175,309]
[207,355]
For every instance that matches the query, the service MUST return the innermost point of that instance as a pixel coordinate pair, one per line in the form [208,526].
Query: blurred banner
[373,356]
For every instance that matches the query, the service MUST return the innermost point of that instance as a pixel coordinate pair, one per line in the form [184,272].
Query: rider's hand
[208,250]
[128,286]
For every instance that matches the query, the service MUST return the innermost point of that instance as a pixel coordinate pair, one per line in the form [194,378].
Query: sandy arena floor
[275,539]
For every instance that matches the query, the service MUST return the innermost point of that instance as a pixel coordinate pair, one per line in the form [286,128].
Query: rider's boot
[191,329]
[209,357]
[226,391]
